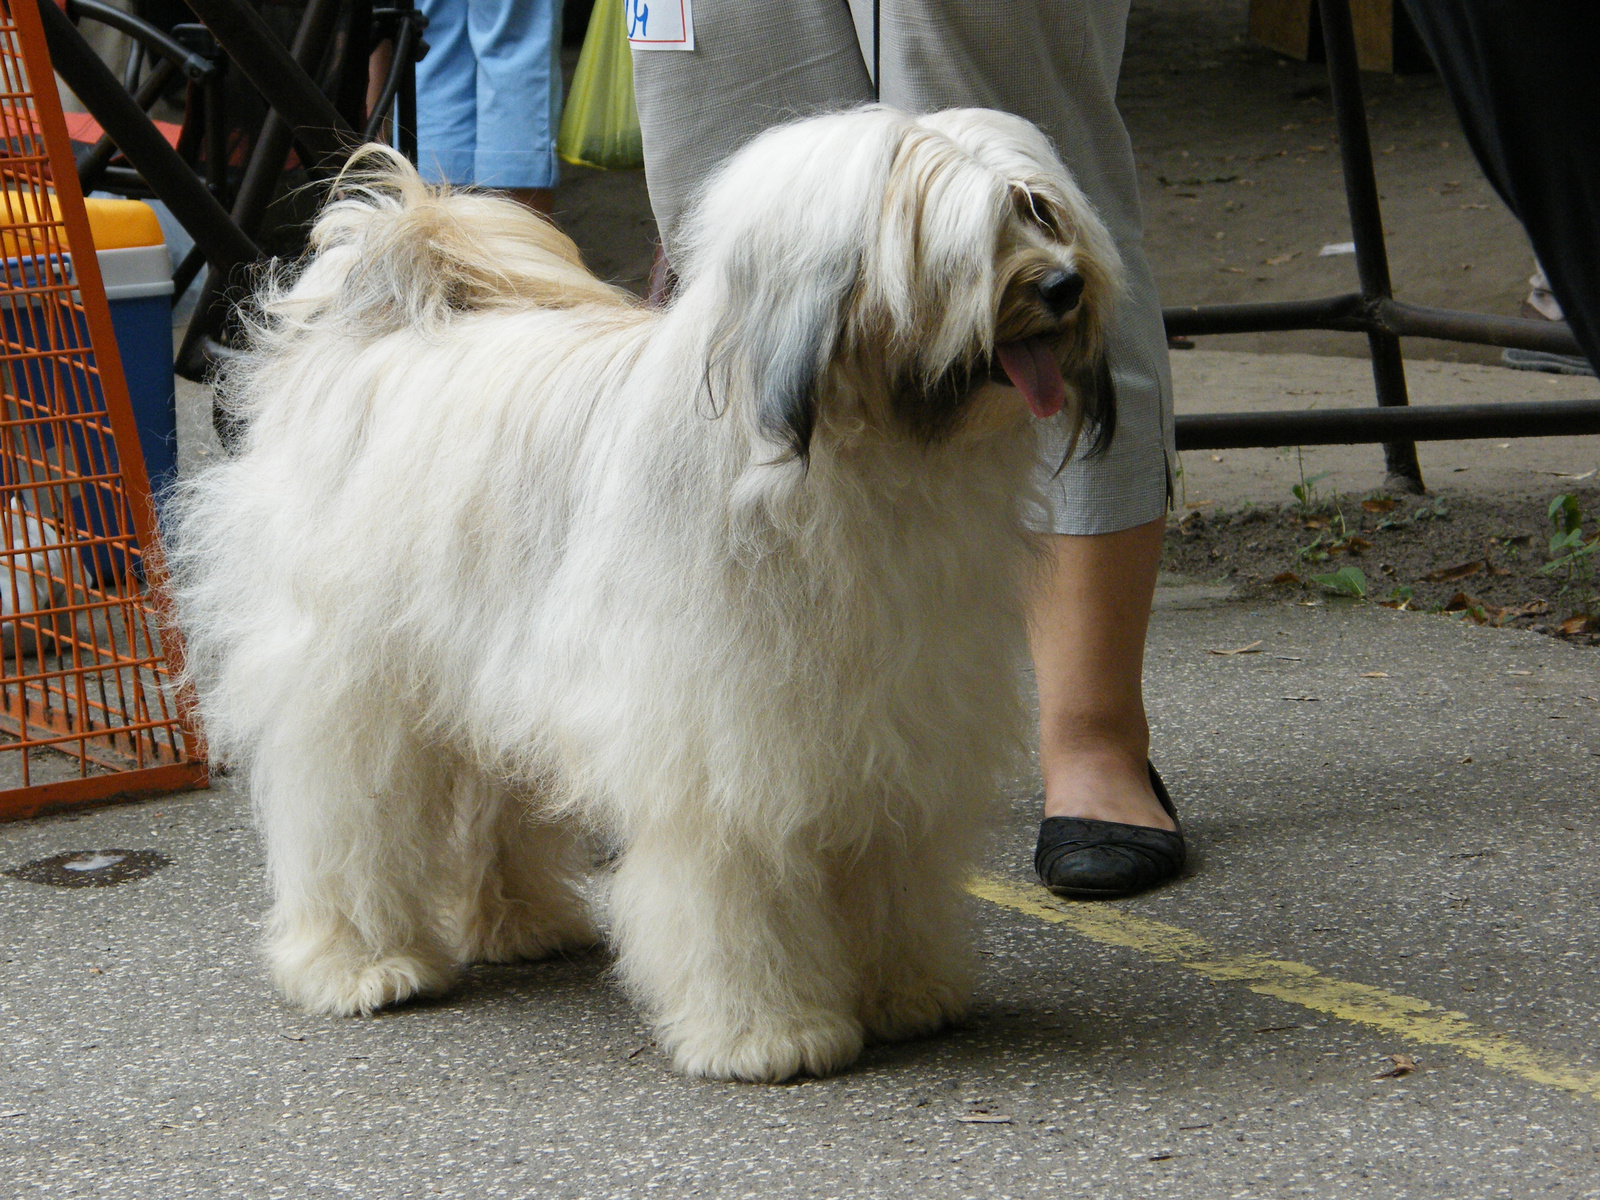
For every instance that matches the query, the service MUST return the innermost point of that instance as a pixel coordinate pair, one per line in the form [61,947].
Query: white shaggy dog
[506,557]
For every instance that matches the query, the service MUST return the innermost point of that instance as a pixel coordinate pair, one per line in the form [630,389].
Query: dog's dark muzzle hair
[1099,393]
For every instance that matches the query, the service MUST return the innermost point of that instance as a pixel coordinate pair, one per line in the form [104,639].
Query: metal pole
[1366,224]
[1357,314]
[406,114]
[93,162]
[1357,426]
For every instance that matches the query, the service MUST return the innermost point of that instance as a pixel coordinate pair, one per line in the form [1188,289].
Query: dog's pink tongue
[1033,370]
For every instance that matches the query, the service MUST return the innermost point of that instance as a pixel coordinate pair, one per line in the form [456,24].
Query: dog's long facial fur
[872,301]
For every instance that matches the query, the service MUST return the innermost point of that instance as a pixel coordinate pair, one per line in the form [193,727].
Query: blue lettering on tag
[638,18]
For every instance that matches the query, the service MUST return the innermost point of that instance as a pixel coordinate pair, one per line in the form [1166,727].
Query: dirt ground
[1238,521]
[1483,558]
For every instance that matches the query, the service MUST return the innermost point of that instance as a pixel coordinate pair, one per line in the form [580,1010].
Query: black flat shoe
[1083,859]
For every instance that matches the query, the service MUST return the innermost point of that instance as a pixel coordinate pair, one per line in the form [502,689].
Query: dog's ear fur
[779,335]
[1097,392]
[1097,409]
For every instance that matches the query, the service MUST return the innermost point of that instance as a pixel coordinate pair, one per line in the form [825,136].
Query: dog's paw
[817,1045]
[520,931]
[915,1010]
[347,985]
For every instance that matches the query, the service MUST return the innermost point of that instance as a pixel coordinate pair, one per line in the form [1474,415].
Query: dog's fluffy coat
[505,556]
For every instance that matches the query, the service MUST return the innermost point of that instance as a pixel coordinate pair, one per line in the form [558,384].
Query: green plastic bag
[600,127]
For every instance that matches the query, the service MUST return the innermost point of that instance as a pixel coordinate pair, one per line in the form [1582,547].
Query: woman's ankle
[1103,783]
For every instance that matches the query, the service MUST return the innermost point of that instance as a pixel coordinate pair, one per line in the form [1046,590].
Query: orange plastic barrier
[87,712]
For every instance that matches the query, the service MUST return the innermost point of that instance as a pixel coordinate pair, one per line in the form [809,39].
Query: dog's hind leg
[736,958]
[907,918]
[517,878]
[357,831]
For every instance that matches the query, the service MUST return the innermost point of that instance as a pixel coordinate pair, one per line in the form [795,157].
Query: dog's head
[877,274]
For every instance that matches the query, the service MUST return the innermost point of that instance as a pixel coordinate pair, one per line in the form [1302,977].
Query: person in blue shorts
[489,96]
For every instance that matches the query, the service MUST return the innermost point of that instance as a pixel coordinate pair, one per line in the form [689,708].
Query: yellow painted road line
[1377,1008]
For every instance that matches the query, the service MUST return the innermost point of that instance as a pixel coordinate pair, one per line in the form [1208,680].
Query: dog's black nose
[1060,291]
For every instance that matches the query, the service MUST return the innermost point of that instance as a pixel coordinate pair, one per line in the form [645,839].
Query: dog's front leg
[907,917]
[737,957]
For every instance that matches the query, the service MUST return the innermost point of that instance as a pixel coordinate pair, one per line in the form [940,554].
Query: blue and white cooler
[137,272]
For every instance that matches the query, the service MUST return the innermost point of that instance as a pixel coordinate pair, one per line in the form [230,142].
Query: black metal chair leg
[1366,225]
[287,85]
[256,190]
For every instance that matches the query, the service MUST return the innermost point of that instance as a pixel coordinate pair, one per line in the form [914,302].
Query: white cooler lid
[136,272]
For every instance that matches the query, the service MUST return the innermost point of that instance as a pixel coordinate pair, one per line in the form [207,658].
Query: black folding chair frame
[1374,311]
[301,114]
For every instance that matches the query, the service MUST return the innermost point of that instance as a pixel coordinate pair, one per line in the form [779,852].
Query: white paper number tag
[659,24]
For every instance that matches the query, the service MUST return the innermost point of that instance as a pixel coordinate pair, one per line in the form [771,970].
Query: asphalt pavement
[1380,978]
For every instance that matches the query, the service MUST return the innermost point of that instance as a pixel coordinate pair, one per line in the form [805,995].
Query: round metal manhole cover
[91,868]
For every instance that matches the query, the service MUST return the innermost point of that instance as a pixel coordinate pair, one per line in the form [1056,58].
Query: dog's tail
[391,252]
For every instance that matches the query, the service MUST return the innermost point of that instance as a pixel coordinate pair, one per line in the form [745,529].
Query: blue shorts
[489,92]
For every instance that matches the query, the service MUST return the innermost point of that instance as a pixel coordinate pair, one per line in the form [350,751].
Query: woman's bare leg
[1087,633]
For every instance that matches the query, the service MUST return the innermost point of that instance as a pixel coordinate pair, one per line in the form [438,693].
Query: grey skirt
[761,62]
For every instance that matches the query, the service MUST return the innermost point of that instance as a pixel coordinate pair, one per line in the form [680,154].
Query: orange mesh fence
[87,713]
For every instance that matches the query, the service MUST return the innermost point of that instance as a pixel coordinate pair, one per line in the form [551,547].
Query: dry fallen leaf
[1374,674]
[1459,571]
[1404,1064]
[1564,474]
[1519,672]
[1380,505]
[1576,625]
[1315,522]
[1277,260]
[1533,608]
[1283,577]
[983,1119]
[1252,648]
